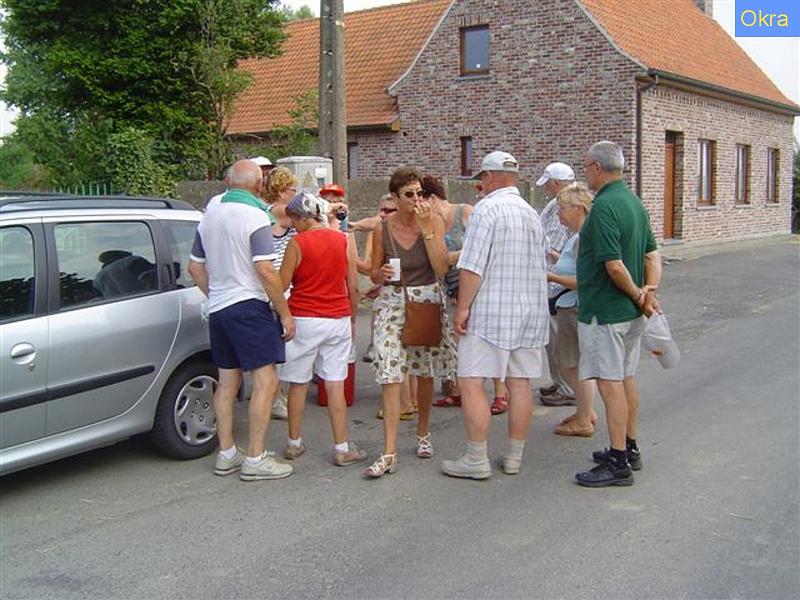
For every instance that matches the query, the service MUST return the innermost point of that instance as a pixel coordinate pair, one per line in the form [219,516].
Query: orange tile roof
[676,37]
[381,44]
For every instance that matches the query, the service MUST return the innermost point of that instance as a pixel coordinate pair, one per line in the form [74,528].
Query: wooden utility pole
[332,118]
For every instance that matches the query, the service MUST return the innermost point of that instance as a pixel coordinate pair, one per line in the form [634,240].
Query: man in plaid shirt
[501,315]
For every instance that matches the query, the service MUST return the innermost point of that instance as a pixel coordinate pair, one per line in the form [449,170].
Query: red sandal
[499,406]
[448,401]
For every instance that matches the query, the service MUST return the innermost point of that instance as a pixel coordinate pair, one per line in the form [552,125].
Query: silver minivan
[102,333]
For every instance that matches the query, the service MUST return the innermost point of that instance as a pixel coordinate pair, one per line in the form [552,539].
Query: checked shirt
[504,245]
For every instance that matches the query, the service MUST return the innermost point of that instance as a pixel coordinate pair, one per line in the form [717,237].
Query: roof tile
[374,60]
[677,37]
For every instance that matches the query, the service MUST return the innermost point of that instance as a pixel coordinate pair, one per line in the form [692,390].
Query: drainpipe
[641,89]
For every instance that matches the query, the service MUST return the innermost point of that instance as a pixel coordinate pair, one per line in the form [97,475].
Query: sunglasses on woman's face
[412,193]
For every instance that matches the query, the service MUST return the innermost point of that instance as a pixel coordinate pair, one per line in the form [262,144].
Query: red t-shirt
[319,284]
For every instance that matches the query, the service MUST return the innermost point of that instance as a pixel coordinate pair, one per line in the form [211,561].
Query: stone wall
[362,194]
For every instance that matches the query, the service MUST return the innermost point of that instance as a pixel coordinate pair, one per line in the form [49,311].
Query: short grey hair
[245,174]
[608,155]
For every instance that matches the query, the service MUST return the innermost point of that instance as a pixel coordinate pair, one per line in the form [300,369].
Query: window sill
[706,207]
[769,203]
[475,77]
[742,205]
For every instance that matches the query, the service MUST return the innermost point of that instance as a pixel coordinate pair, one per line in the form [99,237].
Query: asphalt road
[715,512]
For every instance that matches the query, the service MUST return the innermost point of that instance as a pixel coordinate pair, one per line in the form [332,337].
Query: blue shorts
[246,336]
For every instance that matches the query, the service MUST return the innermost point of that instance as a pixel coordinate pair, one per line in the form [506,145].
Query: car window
[180,235]
[103,261]
[16,273]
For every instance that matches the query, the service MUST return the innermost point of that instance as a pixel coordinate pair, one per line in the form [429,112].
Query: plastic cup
[395,264]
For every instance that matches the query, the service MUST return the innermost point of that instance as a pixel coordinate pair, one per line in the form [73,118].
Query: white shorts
[479,358]
[320,346]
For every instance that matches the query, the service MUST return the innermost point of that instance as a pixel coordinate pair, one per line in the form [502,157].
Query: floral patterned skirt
[390,359]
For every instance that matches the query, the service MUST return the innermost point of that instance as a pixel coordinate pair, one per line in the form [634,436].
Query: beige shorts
[610,351]
[479,358]
[567,349]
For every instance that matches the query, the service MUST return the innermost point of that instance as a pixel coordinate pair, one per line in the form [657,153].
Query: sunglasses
[413,193]
[388,211]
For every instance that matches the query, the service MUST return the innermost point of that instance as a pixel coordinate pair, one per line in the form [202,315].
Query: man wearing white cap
[555,178]
[501,314]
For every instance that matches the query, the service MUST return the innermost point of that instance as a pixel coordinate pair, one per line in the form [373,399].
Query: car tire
[184,425]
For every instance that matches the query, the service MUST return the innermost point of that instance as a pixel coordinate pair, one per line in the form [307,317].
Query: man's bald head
[246,175]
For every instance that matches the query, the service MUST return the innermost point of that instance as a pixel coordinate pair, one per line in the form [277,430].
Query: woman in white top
[574,203]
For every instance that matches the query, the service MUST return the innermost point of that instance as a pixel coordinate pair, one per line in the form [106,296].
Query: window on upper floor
[742,174]
[466,156]
[475,50]
[773,162]
[706,170]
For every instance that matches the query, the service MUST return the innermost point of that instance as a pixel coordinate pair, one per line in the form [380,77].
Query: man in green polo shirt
[619,268]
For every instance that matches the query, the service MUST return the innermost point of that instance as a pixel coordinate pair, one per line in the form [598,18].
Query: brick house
[438,83]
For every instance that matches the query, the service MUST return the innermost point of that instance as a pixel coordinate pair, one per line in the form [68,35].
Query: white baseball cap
[498,161]
[262,161]
[657,340]
[558,171]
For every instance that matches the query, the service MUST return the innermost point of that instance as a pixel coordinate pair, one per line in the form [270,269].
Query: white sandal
[386,463]
[424,446]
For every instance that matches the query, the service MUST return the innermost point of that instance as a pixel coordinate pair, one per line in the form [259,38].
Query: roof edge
[433,32]
[717,91]
[607,35]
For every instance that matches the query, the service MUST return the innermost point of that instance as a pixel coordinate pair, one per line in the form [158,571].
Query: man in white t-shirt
[231,262]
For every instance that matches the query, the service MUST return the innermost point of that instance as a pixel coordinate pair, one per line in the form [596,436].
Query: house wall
[555,86]
[698,117]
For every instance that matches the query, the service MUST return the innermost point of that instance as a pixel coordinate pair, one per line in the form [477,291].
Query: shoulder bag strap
[394,250]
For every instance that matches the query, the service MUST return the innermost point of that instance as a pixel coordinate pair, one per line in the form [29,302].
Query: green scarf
[245,197]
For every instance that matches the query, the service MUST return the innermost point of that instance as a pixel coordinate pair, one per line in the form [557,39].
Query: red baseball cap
[332,188]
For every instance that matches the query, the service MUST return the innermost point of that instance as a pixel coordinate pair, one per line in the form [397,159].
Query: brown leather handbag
[423,320]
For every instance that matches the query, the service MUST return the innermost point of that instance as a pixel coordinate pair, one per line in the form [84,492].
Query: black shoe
[557,399]
[605,475]
[550,389]
[602,457]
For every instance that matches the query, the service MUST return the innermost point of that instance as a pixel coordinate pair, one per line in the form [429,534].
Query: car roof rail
[11,201]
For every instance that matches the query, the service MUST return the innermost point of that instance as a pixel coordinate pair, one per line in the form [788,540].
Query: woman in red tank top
[320,266]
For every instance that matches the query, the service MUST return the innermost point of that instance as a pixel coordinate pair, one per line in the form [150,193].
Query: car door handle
[23,353]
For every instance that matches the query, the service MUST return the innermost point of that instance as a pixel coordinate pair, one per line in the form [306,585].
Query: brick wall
[697,117]
[556,85]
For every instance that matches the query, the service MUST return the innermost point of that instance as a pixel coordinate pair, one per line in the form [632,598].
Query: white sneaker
[280,410]
[465,469]
[267,468]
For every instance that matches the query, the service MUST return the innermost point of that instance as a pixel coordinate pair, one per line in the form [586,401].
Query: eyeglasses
[388,211]
[589,164]
[412,193]
[291,189]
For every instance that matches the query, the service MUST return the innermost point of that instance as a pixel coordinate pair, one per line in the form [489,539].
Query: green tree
[163,67]
[304,12]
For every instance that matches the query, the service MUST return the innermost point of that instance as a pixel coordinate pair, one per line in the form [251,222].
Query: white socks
[341,448]
[476,452]
[229,453]
[296,443]
[514,449]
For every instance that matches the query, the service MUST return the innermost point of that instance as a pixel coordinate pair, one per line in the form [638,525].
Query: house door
[669,186]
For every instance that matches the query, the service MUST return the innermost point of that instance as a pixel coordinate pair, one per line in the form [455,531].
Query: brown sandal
[572,417]
[572,428]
